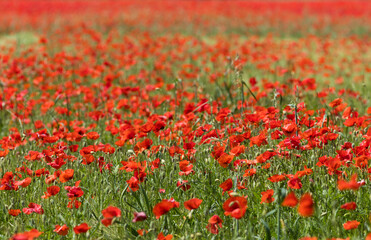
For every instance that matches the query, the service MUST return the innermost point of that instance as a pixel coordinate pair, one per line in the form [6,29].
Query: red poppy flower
[294,183]
[87,159]
[175,150]
[249,172]
[57,163]
[235,207]
[184,185]
[351,225]
[109,214]
[50,139]
[161,236]
[185,168]
[30,235]
[267,196]
[92,135]
[51,191]
[215,222]
[142,231]
[349,206]
[259,140]
[193,203]
[66,175]
[306,205]
[33,207]
[290,200]
[336,102]
[50,179]
[164,207]
[82,228]
[225,160]
[61,230]
[262,158]
[139,216]
[133,184]
[24,183]
[277,178]
[14,212]
[305,172]
[238,150]
[158,126]
[361,161]
[351,185]
[74,192]
[141,146]
[289,129]
[226,185]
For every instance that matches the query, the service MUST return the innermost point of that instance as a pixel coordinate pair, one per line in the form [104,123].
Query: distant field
[185,119]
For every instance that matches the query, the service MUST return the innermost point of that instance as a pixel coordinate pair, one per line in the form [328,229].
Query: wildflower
[109,214]
[14,212]
[61,230]
[351,225]
[82,228]
[235,207]
[51,191]
[193,203]
[290,200]
[306,205]
[24,183]
[226,185]
[92,135]
[349,206]
[267,196]
[225,160]
[161,236]
[33,207]
[351,185]
[295,183]
[184,185]
[164,207]
[66,175]
[215,222]
[29,235]
[139,216]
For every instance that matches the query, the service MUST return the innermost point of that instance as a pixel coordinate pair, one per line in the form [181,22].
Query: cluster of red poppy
[163,131]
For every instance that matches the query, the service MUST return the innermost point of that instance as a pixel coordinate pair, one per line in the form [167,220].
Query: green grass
[21,39]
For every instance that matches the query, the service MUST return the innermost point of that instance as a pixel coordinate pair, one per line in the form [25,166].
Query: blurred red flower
[267,196]
[290,200]
[235,207]
[82,228]
[193,203]
[164,207]
[109,214]
[61,230]
[215,222]
[306,205]
[351,225]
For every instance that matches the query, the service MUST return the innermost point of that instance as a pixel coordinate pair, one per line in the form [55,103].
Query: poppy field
[185,119]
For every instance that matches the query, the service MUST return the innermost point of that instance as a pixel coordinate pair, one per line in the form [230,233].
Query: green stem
[278,222]
[236,228]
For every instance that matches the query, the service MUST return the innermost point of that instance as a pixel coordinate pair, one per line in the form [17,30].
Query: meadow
[185,119]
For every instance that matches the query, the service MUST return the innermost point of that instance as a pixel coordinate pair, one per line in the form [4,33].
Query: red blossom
[164,207]
[235,207]
[82,228]
[193,203]
[61,230]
